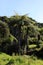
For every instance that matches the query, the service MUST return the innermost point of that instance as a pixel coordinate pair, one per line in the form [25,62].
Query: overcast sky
[34,8]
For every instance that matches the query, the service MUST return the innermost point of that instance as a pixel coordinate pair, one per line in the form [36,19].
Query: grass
[19,60]
[4,58]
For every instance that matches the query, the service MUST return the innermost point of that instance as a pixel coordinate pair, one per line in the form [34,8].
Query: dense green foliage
[17,33]
[4,31]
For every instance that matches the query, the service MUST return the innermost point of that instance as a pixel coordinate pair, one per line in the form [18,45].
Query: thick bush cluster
[18,32]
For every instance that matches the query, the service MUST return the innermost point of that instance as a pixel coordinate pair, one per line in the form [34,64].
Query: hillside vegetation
[21,35]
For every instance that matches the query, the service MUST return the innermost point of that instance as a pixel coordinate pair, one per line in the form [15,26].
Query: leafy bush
[4,31]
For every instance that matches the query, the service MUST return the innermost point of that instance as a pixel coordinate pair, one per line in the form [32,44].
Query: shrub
[4,31]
